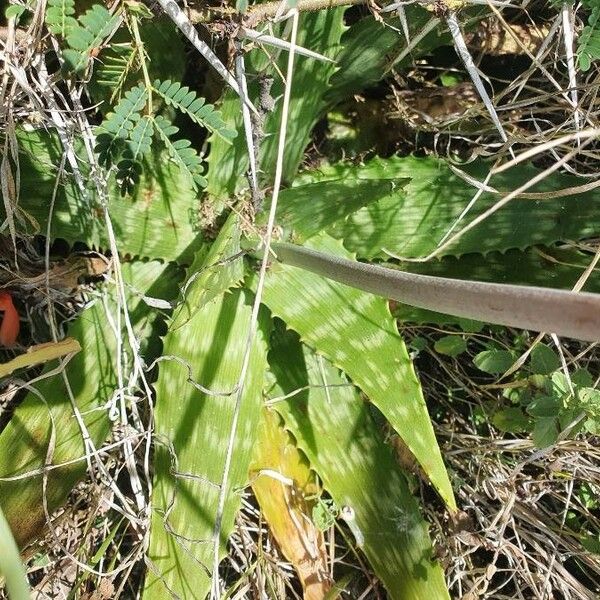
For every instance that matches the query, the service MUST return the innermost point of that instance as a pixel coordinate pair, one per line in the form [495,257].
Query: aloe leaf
[565,313]
[163,202]
[309,209]
[412,222]
[40,353]
[213,272]
[227,162]
[192,438]
[320,31]
[553,267]
[25,441]
[287,491]
[92,378]
[336,431]
[356,332]
[371,49]
[11,567]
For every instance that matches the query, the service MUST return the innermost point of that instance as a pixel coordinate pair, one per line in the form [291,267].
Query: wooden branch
[570,314]
[261,12]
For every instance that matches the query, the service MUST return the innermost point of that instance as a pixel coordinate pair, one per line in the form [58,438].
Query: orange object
[9,330]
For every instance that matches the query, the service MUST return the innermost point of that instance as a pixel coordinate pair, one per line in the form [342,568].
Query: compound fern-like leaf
[94,26]
[129,168]
[59,17]
[187,102]
[181,151]
[117,63]
[112,136]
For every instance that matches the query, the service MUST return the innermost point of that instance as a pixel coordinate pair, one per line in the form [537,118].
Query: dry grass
[523,511]
[517,536]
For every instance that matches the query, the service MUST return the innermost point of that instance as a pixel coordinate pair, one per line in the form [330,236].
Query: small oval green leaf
[15,10]
[418,343]
[582,378]
[544,360]
[591,543]
[545,432]
[450,345]
[589,399]
[494,361]
[511,420]
[544,406]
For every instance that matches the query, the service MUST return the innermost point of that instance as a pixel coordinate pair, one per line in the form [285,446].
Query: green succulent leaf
[11,567]
[212,273]
[164,202]
[370,51]
[45,419]
[356,332]
[320,31]
[558,268]
[336,431]
[208,350]
[308,209]
[412,221]
[591,543]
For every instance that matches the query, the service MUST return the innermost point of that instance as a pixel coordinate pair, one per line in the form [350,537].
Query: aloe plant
[345,327]
[327,353]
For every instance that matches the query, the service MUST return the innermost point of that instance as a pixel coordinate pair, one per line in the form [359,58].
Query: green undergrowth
[330,360]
